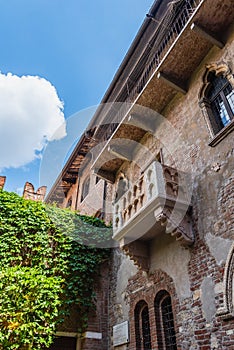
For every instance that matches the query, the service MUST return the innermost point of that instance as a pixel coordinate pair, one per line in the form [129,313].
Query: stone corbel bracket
[177,224]
[137,251]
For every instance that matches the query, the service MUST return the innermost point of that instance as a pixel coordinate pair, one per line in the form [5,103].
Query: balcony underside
[143,225]
[125,140]
[136,236]
[158,217]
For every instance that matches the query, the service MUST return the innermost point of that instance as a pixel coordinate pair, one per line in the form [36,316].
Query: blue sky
[76,46]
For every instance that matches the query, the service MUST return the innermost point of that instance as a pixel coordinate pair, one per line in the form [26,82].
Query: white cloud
[31,114]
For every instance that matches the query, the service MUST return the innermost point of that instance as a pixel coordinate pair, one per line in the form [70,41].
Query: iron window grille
[142,327]
[166,336]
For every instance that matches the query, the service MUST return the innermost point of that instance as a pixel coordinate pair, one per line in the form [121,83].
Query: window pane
[146,329]
[142,326]
[217,85]
[221,97]
[168,324]
[166,337]
[137,332]
[220,110]
[229,93]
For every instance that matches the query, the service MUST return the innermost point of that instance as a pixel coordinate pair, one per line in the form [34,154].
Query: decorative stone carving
[219,69]
[177,226]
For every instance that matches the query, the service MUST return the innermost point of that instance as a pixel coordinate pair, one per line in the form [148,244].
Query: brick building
[157,160]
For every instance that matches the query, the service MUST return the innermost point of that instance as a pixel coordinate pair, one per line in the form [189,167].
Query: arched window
[166,336]
[85,188]
[217,98]
[142,326]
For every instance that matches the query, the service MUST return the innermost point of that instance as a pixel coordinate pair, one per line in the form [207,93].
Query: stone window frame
[227,310]
[163,341]
[141,333]
[219,70]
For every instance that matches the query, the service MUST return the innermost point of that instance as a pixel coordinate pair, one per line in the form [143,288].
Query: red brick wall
[98,318]
[143,287]
[2,181]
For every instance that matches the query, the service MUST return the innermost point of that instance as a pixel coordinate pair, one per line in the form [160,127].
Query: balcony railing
[160,198]
[171,26]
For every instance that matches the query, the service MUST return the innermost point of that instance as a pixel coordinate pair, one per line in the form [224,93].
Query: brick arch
[227,311]
[145,287]
[156,281]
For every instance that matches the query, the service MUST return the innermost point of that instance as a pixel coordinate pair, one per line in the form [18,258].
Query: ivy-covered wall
[49,259]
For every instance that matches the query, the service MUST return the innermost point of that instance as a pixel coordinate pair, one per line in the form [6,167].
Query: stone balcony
[158,203]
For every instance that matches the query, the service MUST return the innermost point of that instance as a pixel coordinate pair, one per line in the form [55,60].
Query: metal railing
[169,29]
[167,35]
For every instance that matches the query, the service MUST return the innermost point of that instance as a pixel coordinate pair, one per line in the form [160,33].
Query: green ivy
[30,303]
[48,262]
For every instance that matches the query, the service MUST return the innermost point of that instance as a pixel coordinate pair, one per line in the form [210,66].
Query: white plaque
[121,333]
[93,335]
